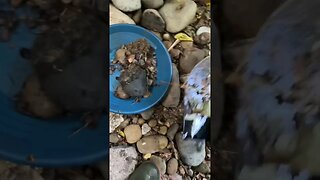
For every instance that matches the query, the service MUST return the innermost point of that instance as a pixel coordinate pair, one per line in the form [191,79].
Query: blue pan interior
[121,34]
[49,142]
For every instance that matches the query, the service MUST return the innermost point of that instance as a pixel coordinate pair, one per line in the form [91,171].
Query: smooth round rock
[163,130]
[190,58]
[118,17]
[154,4]
[152,20]
[160,163]
[153,123]
[127,5]
[192,151]
[152,144]
[178,15]
[146,171]
[173,97]
[172,166]
[172,131]
[133,133]
[114,138]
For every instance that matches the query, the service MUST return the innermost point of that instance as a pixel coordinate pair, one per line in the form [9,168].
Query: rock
[114,138]
[203,38]
[163,130]
[173,97]
[175,53]
[153,123]
[166,36]
[182,171]
[118,17]
[152,144]
[186,44]
[141,121]
[246,20]
[152,20]
[160,163]
[189,58]
[167,44]
[190,172]
[133,133]
[147,170]
[203,29]
[172,131]
[146,115]
[127,5]
[135,120]
[157,34]
[145,129]
[192,151]
[152,4]
[175,177]
[124,124]
[137,16]
[203,168]
[172,167]
[114,121]
[178,15]
[122,163]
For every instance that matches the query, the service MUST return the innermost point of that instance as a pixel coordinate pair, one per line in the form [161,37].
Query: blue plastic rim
[48,142]
[121,34]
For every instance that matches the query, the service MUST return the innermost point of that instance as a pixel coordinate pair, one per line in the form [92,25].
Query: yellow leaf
[121,133]
[183,37]
[147,156]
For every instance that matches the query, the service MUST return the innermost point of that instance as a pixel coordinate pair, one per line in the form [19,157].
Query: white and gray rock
[118,17]
[178,15]
[203,29]
[152,20]
[173,97]
[154,4]
[192,151]
[145,129]
[146,115]
[127,5]
[122,162]
[114,121]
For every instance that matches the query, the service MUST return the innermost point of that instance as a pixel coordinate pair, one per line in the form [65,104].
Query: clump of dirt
[137,62]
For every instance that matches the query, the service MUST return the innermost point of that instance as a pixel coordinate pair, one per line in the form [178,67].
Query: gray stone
[172,131]
[173,97]
[146,115]
[192,151]
[172,167]
[154,4]
[189,58]
[122,162]
[152,20]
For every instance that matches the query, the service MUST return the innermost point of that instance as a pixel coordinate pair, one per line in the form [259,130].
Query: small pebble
[172,167]
[163,130]
[145,129]
[147,114]
[172,131]
[175,53]
[124,124]
[182,171]
[114,138]
[153,123]
[133,133]
[141,121]
[166,36]
[203,168]
[190,172]
[135,120]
